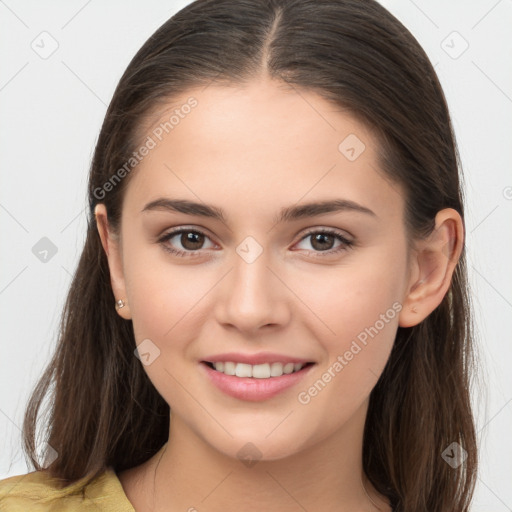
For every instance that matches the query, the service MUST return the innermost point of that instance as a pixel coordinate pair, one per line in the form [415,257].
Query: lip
[252,359]
[252,389]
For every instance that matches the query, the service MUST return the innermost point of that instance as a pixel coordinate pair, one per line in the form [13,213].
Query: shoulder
[39,492]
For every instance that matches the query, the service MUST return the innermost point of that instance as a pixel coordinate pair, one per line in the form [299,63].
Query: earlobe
[111,246]
[435,259]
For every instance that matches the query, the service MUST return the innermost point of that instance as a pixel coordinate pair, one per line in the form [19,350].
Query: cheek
[165,303]
[163,296]
[347,299]
[356,313]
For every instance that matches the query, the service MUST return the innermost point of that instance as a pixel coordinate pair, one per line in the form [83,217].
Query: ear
[432,265]
[111,245]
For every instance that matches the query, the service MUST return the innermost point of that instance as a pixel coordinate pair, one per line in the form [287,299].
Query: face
[322,286]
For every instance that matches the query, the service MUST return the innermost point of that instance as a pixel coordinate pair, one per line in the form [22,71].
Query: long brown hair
[104,410]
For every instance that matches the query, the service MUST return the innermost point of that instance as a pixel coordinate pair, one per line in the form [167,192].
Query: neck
[189,474]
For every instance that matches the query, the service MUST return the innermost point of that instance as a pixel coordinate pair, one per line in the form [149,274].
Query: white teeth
[257,371]
[229,368]
[276,369]
[261,371]
[243,370]
[288,368]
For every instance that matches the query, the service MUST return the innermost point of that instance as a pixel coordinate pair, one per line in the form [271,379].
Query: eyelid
[346,243]
[167,235]
[303,234]
[179,229]
[340,235]
[324,229]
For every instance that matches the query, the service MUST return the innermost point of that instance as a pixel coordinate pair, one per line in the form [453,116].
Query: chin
[251,450]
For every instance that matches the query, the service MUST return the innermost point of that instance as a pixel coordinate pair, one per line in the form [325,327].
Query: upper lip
[252,359]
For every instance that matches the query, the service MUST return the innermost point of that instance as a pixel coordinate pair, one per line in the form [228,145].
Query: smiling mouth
[257,371]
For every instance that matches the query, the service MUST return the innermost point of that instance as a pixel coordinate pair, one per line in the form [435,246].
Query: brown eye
[322,241]
[185,242]
[325,242]
[192,240]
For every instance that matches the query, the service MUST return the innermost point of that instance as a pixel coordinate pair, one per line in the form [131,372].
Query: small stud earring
[120,304]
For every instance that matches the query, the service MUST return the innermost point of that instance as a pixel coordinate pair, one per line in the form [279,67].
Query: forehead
[258,147]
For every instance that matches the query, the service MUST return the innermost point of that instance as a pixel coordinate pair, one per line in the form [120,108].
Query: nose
[252,296]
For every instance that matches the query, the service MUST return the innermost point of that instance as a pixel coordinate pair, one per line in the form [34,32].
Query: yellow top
[38,492]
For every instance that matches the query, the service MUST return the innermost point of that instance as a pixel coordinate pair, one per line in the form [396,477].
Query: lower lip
[252,389]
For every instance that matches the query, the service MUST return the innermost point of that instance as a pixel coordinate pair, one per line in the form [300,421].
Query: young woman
[270,311]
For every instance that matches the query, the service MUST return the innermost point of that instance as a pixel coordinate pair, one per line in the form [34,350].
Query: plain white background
[51,111]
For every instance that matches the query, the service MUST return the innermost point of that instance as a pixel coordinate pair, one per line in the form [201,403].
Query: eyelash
[345,244]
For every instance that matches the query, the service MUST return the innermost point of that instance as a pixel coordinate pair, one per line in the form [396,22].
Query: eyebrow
[286,214]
